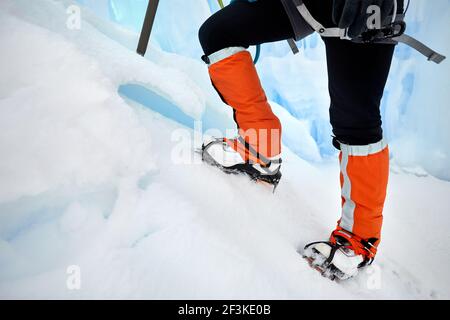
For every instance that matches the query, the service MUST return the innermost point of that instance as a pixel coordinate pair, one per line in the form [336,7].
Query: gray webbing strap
[255,153]
[293,46]
[419,46]
[316,25]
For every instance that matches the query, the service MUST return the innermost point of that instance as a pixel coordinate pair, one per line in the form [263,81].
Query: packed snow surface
[98,172]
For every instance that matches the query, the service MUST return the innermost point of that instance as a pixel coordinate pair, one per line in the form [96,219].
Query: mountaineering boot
[364,179]
[222,153]
[257,149]
[342,256]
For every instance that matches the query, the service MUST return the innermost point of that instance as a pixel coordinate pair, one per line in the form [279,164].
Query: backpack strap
[392,33]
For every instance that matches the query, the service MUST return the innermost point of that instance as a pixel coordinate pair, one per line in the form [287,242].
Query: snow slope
[98,170]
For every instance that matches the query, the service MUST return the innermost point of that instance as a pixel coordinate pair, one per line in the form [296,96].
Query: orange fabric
[369,178]
[238,83]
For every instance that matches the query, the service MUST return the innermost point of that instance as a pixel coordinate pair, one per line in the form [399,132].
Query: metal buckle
[388,32]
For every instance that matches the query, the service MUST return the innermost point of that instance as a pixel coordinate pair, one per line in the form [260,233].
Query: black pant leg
[357,75]
[243,24]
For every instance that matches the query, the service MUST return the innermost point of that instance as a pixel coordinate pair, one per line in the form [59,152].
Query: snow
[98,171]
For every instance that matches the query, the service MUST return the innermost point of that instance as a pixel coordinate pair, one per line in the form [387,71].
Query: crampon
[335,261]
[218,153]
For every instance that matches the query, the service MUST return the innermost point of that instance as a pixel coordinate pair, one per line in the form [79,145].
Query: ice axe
[147,27]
